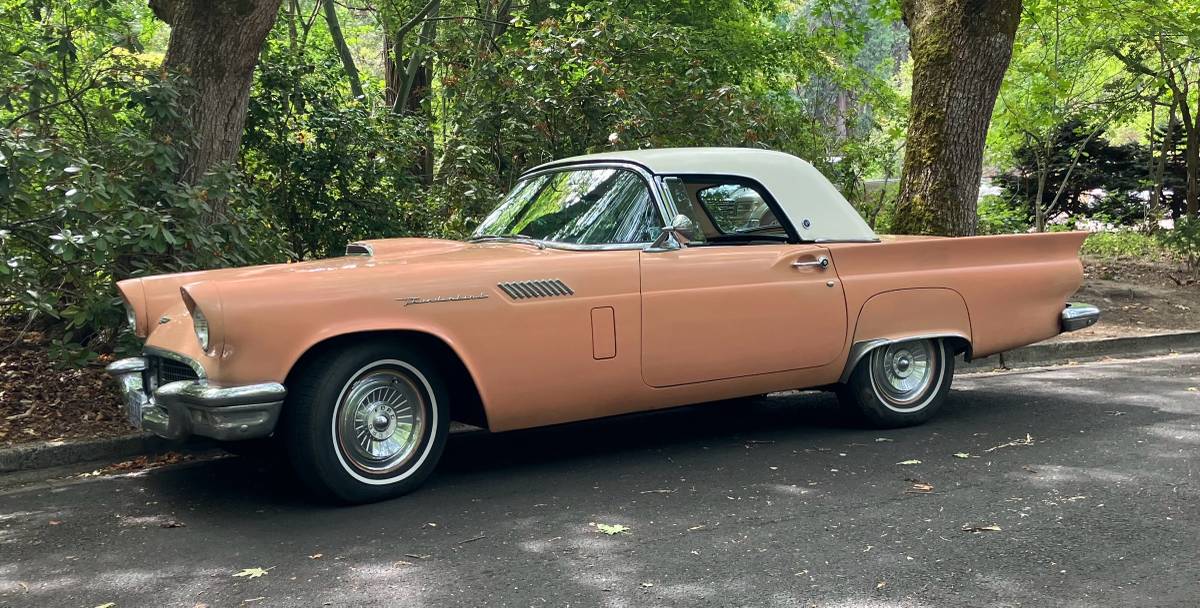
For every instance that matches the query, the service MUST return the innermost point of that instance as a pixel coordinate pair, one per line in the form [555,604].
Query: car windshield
[580,206]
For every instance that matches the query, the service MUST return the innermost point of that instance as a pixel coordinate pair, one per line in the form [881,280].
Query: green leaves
[251,573]
[612,529]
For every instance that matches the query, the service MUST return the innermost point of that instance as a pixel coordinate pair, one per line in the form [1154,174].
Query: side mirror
[674,236]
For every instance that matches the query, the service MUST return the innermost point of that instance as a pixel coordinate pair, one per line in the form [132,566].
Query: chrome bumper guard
[192,407]
[1078,316]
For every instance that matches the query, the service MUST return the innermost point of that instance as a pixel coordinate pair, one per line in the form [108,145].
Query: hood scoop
[543,288]
[359,249]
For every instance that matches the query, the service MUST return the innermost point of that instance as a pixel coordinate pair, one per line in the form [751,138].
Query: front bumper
[1078,315]
[191,407]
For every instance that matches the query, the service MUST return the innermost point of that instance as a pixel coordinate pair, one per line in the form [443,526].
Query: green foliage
[1122,244]
[997,215]
[76,218]
[1184,241]
[329,170]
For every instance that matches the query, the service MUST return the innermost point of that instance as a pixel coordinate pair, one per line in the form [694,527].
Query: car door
[717,312]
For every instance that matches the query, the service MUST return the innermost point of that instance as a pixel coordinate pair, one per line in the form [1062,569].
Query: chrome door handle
[821,263]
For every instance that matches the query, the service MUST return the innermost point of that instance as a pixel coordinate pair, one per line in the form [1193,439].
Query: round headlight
[131,317]
[200,324]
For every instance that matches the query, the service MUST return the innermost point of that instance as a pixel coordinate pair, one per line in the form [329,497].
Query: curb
[61,453]
[49,454]
[1088,350]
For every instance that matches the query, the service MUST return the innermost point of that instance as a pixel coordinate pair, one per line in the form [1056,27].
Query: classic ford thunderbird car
[601,285]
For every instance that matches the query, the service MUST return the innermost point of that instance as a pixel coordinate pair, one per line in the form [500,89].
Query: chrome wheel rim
[380,420]
[903,373]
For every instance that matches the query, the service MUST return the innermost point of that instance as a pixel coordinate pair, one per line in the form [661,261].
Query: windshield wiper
[519,238]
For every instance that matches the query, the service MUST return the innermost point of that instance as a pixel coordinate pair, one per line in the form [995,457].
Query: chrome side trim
[862,347]
[544,288]
[1078,315]
[359,249]
[188,361]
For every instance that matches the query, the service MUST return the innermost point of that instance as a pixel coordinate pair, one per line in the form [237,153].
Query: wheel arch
[910,314]
[466,402]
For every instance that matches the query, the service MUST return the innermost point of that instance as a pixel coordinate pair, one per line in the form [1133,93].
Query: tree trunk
[960,51]
[216,45]
[1160,166]
[339,42]
[1192,162]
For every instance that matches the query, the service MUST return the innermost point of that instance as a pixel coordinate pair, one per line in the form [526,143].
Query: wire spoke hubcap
[380,420]
[903,373]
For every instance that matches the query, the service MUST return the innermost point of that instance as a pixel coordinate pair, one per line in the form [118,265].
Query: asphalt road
[1089,472]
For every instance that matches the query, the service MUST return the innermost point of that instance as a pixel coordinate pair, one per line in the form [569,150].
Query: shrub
[1184,240]
[77,218]
[1122,244]
[998,215]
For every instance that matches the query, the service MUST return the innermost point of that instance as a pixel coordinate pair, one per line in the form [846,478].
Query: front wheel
[899,384]
[366,423]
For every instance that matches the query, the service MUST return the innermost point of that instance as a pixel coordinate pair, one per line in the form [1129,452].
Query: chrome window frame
[648,178]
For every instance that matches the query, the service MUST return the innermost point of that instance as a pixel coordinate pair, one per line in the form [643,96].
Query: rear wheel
[900,384]
[366,423]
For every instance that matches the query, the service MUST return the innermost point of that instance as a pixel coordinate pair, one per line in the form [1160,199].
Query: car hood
[151,296]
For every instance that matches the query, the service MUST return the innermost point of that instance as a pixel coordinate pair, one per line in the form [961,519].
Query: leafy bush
[1122,244]
[76,218]
[997,215]
[1184,240]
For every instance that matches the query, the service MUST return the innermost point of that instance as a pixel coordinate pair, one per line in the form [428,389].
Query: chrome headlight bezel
[130,317]
[201,327]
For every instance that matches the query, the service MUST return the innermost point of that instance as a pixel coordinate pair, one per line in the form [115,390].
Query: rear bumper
[192,407]
[1078,315]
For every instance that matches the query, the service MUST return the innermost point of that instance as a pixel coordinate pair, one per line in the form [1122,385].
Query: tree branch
[339,41]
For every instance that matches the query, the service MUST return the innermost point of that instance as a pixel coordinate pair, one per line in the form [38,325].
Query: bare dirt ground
[42,401]
[1138,297]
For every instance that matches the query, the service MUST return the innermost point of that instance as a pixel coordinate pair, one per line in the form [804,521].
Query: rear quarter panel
[1013,286]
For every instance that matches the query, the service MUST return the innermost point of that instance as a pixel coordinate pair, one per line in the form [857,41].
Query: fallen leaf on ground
[107,605]
[171,523]
[880,585]
[54,522]
[961,455]
[316,556]
[991,528]
[612,529]
[881,439]
[252,572]
[913,461]
[920,487]
[647,584]
[1028,440]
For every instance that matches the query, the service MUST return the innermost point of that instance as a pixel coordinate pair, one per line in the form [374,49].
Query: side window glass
[678,191]
[737,208]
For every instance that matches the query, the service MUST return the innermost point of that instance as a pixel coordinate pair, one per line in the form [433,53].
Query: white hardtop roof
[801,190]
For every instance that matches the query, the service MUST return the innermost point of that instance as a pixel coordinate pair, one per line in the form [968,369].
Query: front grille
[161,370]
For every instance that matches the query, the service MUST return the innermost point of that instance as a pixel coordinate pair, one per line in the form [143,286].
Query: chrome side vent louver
[547,288]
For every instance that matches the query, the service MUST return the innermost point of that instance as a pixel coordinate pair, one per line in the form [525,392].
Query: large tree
[216,46]
[960,51]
